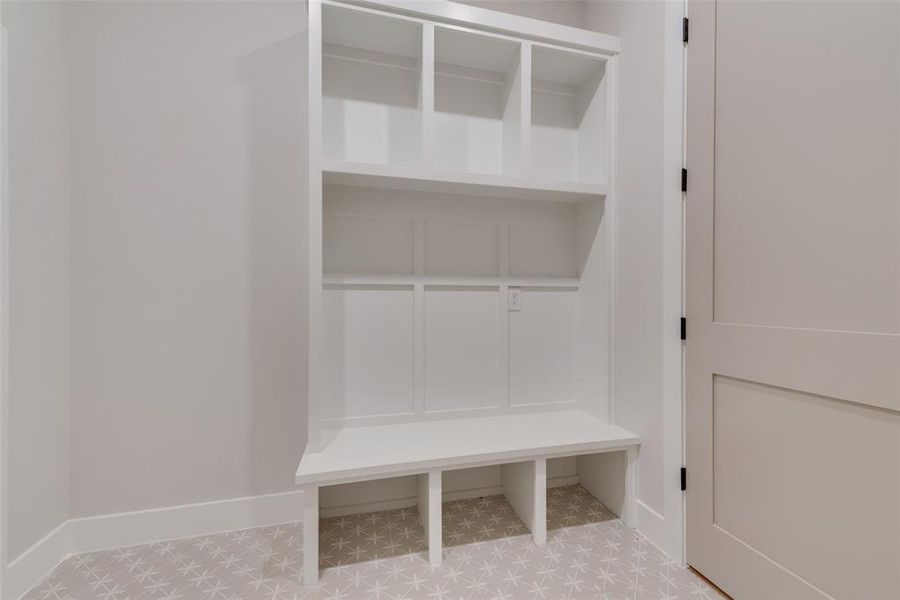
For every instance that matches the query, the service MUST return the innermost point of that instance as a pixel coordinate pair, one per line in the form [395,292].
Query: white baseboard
[143,527]
[34,564]
[652,526]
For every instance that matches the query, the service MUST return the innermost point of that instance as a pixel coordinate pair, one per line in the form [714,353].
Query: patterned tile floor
[377,556]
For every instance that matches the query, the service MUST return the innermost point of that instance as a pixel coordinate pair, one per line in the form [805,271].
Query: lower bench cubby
[480,512]
[597,495]
[347,537]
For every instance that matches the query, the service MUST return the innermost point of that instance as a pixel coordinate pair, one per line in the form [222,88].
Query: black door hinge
[685,29]
[683,479]
[684,180]
[683,328]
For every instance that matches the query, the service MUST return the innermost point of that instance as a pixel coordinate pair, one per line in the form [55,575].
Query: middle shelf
[419,179]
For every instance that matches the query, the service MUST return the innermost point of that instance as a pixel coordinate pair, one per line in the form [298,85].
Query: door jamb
[674,136]
[4,304]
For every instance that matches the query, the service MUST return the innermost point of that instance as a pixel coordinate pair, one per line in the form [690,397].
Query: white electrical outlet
[515,299]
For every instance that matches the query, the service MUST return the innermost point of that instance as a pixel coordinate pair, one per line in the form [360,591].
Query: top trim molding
[454,13]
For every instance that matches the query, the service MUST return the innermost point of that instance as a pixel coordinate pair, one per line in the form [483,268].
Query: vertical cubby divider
[310,534]
[525,83]
[525,488]
[426,104]
[429,490]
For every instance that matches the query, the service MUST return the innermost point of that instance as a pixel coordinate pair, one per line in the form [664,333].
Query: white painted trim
[314,208]
[668,531]
[189,520]
[4,309]
[652,525]
[30,567]
[612,228]
[310,535]
[430,513]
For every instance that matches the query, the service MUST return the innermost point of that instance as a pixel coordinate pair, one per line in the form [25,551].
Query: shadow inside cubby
[357,538]
[572,506]
[479,519]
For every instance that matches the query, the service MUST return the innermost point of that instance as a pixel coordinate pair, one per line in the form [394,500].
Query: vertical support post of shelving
[314,227]
[429,499]
[426,96]
[610,218]
[525,488]
[525,91]
[629,509]
[311,535]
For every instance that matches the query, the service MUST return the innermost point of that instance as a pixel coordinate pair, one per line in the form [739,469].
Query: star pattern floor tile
[488,555]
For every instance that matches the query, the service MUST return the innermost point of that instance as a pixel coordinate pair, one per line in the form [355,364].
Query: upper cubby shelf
[371,88]
[477,103]
[568,115]
[411,103]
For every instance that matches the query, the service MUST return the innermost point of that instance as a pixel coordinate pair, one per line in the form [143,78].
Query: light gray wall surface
[188,280]
[38,274]
[639,287]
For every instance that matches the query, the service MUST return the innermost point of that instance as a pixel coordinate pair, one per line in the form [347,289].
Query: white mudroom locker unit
[462,263]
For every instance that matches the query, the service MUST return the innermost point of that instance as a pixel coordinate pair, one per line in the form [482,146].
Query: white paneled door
[793,283]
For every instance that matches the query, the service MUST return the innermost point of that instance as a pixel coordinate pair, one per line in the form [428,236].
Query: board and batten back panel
[458,339]
[542,251]
[367,244]
[542,343]
[462,248]
[462,348]
[368,351]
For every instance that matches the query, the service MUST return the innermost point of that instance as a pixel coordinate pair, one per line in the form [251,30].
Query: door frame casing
[4,305]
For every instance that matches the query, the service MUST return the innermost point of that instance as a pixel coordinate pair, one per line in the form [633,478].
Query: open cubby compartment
[371,87]
[503,500]
[354,529]
[478,96]
[592,489]
[417,314]
[569,106]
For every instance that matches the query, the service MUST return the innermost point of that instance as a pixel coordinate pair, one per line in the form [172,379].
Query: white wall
[641,327]
[188,287]
[38,274]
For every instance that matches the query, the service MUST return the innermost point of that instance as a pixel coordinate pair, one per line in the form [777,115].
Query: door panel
[793,298]
[786,463]
[807,153]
